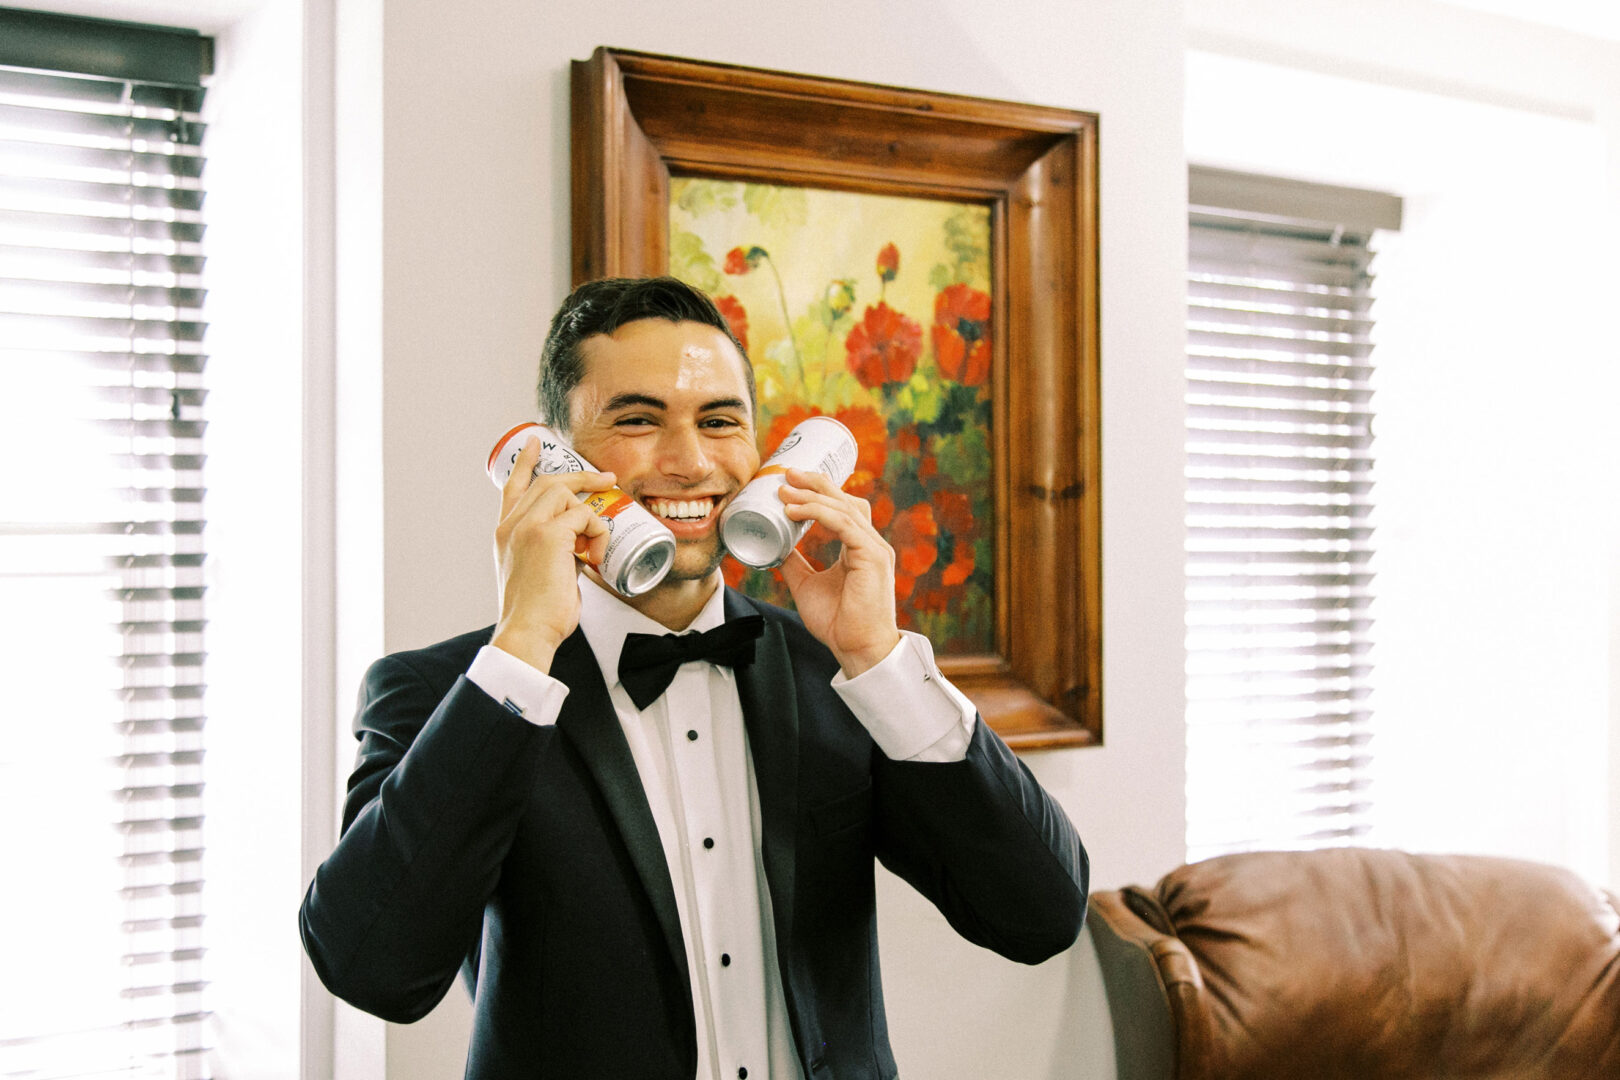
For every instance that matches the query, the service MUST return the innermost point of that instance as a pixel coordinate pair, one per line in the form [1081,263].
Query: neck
[671,604]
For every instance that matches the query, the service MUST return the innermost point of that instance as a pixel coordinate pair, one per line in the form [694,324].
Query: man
[673,883]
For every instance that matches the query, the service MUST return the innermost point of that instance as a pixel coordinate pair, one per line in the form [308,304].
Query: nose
[683,456]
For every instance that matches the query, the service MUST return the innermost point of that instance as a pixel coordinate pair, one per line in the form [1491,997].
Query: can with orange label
[640,548]
[755,528]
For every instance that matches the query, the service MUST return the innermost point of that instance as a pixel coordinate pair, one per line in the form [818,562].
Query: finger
[852,504]
[590,534]
[839,516]
[578,482]
[521,476]
[860,544]
[815,481]
[554,490]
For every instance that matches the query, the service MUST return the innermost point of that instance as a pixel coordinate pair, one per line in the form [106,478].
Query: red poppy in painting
[915,537]
[933,598]
[871,447]
[741,260]
[961,334]
[954,510]
[927,468]
[961,566]
[734,571]
[736,317]
[907,441]
[883,347]
[882,511]
[888,262]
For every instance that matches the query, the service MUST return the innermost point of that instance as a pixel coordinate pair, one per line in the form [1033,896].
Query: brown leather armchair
[1355,964]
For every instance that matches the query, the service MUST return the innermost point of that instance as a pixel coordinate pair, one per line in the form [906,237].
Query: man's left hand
[849,606]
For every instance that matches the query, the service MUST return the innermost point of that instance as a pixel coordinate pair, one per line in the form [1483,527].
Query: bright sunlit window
[1280,490]
[101,550]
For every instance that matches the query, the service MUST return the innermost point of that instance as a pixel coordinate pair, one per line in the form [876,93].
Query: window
[1280,495]
[101,548]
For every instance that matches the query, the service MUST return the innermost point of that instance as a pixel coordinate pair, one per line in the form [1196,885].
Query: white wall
[256,308]
[1495,670]
[461,135]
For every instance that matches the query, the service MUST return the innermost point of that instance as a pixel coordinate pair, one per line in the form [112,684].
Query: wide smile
[687,518]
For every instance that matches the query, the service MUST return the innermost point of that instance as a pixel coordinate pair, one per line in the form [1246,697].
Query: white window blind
[101,549]
[1280,411]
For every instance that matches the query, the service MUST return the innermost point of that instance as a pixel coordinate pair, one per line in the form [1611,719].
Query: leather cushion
[1355,963]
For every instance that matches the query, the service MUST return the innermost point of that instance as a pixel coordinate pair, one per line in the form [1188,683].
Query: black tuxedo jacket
[527,856]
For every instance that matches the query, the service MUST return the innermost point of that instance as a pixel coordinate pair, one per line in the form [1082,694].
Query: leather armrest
[1155,991]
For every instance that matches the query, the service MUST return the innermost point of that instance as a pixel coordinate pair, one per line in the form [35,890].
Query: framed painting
[924,268]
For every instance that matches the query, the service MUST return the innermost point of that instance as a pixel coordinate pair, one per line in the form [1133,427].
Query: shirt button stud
[725,959]
[708,841]
[742,1073]
[692,735]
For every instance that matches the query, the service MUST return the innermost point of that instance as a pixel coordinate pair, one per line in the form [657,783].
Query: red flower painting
[872,439]
[961,334]
[883,347]
[736,317]
[741,260]
[847,332]
[888,263]
[915,536]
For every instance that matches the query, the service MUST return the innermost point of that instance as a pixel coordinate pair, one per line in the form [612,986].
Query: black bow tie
[648,662]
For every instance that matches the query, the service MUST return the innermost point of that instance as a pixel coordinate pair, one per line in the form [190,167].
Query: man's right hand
[543,523]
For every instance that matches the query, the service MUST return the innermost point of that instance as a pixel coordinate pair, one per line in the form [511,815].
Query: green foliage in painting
[777,205]
[964,457]
[701,198]
[967,239]
[690,261]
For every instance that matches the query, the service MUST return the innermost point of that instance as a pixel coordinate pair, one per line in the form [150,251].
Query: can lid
[503,440]
[650,567]
[754,538]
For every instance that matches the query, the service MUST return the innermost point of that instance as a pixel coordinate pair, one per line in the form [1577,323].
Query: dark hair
[601,307]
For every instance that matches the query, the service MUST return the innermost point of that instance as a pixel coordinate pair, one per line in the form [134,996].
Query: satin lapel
[588,719]
[770,712]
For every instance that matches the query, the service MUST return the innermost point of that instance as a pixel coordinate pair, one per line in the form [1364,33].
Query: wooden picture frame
[639,118]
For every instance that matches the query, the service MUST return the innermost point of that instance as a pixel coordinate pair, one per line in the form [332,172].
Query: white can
[755,527]
[640,549]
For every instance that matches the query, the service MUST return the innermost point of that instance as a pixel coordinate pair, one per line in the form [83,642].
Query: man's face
[664,406]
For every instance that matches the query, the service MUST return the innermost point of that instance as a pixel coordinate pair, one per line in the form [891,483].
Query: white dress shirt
[690,748]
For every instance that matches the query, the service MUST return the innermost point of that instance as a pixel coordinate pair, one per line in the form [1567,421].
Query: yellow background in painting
[838,237]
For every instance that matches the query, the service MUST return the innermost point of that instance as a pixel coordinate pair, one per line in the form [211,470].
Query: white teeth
[681,509]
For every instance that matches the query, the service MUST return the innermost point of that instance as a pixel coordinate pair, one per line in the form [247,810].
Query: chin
[695,563]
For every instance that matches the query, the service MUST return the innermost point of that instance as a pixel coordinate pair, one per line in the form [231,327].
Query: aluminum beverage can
[755,527]
[640,549]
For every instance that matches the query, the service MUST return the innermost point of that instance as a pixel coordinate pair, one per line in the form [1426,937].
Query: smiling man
[652,856]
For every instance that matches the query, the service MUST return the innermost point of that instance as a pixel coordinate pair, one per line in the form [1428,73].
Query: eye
[633,421]
[720,422]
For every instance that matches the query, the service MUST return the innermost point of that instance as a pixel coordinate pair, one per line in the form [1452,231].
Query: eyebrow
[626,401]
[633,400]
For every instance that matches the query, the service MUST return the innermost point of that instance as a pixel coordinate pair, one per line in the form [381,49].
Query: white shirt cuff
[908,707]
[523,690]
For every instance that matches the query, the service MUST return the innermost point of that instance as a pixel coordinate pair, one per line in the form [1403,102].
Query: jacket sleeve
[435,798]
[987,846]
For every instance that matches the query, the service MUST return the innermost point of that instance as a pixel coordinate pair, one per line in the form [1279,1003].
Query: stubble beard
[696,560]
